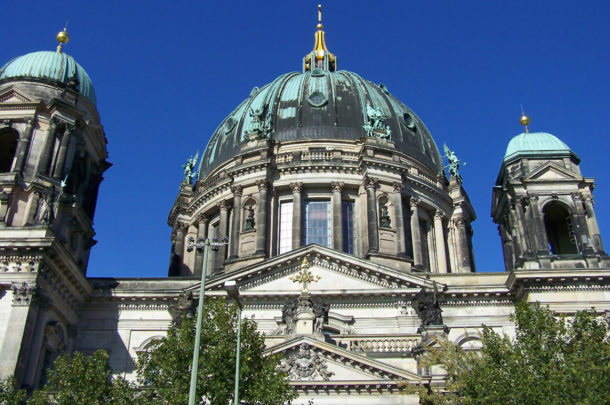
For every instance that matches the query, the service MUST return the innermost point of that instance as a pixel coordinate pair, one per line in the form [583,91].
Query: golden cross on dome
[304,276]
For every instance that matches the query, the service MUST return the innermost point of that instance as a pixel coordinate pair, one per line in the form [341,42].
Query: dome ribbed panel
[58,67]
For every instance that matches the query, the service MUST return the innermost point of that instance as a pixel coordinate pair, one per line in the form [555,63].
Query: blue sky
[167,73]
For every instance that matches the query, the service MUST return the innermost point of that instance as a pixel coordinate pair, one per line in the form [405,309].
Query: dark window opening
[559,230]
[8,146]
[348,226]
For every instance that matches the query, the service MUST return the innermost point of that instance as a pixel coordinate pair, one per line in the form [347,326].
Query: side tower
[544,206]
[53,156]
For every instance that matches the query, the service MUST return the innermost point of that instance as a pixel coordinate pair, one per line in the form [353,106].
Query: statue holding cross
[304,276]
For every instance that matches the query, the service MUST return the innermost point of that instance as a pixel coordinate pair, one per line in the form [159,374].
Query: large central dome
[321,104]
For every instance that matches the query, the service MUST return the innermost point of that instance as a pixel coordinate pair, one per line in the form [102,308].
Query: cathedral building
[330,208]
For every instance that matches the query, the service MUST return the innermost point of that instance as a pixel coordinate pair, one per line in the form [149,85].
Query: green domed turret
[50,66]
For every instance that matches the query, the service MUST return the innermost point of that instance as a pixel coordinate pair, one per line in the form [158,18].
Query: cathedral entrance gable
[338,272]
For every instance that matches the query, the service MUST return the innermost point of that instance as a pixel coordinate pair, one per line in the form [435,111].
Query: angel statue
[454,163]
[189,167]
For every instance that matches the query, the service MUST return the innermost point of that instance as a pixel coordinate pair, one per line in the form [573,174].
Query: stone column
[261,220]
[521,226]
[58,172]
[441,248]
[463,245]
[337,188]
[178,250]
[371,211]
[507,246]
[297,212]
[592,222]
[235,226]
[223,230]
[45,157]
[202,233]
[22,146]
[542,244]
[401,246]
[416,234]
[581,229]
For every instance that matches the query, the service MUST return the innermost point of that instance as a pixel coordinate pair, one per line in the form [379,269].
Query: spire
[62,37]
[320,56]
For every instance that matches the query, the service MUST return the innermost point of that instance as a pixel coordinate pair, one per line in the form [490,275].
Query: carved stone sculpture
[305,364]
[427,308]
[375,125]
[184,307]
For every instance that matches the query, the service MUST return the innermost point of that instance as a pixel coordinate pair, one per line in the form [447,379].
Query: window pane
[317,223]
[348,226]
[285,242]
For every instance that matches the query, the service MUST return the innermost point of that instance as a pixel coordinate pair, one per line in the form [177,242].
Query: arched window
[8,146]
[559,230]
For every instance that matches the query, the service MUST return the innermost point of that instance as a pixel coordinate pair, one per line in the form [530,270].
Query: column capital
[577,197]
[460,221]
[370,182]
[181,226]
[203,219]
[337,186]
[397,186]
[237,190]
[224,205]
[262,184]
[296,187]
[415,202]
[438,214]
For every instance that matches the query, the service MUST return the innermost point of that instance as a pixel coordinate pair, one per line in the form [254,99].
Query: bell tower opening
[559,231]
[8,146]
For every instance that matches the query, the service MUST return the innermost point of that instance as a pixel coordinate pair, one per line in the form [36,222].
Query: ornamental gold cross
[304,276]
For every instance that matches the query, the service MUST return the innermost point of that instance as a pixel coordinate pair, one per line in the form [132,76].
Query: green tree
[9,394]
[165,369]
[551,360]
[84,380]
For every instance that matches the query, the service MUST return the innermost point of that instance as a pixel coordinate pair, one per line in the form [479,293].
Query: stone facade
[368,213]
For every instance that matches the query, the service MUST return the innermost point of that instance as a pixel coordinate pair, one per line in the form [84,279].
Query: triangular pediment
[552,172]
[339,273]
[309,360]
[14,96]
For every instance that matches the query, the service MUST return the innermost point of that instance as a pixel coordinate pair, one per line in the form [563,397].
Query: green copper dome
[536,144]
[51,66]
[318,105]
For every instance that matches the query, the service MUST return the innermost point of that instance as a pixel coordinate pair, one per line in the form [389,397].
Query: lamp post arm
[195,365]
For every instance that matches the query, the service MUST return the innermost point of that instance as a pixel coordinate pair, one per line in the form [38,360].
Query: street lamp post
[233,292]
[201,244]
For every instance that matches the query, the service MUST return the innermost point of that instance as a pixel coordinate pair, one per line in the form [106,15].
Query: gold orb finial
[525,121]
[62,37]
[319,26]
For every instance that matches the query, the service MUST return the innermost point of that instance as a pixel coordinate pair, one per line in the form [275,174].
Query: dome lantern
[320,57]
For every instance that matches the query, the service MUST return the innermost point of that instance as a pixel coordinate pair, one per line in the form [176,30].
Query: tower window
[317,223]
[348,226]
[8,146]
[285,242]
[559,230]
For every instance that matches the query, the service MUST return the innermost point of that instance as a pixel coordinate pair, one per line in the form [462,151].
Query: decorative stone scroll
[305,363]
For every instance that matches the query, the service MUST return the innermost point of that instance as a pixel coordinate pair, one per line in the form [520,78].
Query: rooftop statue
[189,167]
[375,125]
[258,129]
[454,163]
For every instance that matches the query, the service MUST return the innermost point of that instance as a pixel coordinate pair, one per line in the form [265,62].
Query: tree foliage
[9,394]
[551,360]
[84,380]
[165,369]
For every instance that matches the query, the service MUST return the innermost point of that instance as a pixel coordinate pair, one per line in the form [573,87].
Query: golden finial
[524,120]
[319,26]
[62,37]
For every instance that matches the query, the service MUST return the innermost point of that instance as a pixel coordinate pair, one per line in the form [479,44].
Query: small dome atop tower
[56,67]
